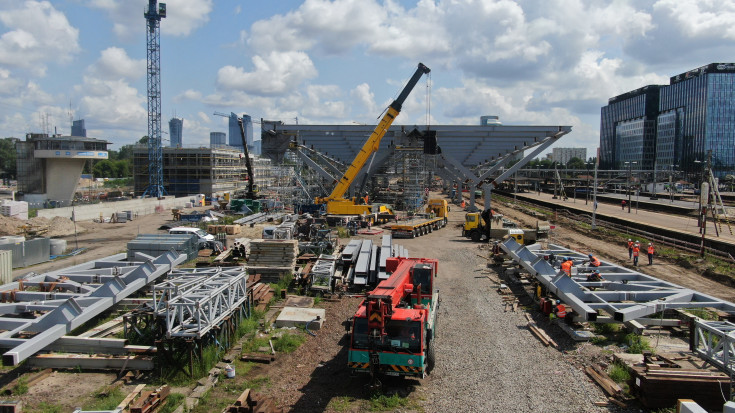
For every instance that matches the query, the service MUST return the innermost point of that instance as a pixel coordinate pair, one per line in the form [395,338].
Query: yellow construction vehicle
[336,203]
[477,227]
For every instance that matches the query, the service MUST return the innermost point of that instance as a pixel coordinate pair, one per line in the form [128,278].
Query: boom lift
[336,203]
[394,328]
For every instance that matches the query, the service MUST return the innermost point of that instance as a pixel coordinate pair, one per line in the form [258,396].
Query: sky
[541,62]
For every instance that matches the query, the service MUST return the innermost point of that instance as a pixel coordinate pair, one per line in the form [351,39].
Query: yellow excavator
[335,202]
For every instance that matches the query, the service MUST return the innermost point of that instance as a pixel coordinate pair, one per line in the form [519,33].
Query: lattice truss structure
[623,293]
[68,298]
[193,301]
[714,341]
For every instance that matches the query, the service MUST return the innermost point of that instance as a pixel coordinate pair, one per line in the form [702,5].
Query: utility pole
[594,199]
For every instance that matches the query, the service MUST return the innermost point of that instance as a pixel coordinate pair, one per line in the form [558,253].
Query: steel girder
[623,293]
[714,341]
[65,311]
[195,301]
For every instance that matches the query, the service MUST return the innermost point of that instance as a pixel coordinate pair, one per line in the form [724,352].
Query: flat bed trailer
[416,227]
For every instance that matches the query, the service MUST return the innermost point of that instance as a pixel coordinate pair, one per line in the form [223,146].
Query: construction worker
[566,266]
[462,204]
[560,310]
[496,248]
[636,252]
[650,253]
[594,262]
[630,249]
[594,276]
[623,204]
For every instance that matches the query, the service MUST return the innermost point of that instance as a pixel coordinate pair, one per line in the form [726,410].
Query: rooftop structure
[49,167]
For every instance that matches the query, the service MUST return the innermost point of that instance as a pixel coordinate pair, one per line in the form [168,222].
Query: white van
[201,235]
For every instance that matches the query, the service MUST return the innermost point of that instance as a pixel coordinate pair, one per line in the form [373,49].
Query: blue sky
[529,62]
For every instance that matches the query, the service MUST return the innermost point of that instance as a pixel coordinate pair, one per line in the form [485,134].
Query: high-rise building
[217,139]
[234,129]
[175,131]
[564,155]
[672,126]
[78,129]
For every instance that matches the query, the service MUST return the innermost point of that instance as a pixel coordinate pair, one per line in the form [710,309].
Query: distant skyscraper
[77,128]
[235,139]
[175,131]
[217,139]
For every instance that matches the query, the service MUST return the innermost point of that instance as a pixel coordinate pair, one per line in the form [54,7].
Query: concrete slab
[298,317]
[299,301]
[576,335]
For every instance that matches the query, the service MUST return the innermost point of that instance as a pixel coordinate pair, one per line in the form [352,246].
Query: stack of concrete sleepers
[272,259]
[157,244]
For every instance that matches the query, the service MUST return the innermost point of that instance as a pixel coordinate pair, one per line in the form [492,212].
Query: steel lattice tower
[153,16]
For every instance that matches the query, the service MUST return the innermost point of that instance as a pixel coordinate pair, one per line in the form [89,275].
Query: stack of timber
[150,400]
[249,402]
[612,390]
[260,293]
[659,382]
[272,259]
[539,333]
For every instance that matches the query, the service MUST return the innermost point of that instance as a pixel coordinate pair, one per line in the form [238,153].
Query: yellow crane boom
[336,203]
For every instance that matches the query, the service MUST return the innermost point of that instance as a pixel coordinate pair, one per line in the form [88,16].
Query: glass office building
[678,128]
[175,131]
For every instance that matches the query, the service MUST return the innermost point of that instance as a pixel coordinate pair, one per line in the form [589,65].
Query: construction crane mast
[153,15]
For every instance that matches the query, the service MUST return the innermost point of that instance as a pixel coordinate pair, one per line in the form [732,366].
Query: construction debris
[150,400]
[249,402]
[539,333]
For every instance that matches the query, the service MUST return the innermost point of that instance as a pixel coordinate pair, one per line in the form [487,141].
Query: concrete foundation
[298,317]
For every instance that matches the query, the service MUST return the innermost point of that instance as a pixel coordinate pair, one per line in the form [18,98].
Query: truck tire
[475,236]
[430,357]
[445,221]
[414,234]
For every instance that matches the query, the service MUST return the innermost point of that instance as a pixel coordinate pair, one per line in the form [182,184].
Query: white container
[12,239]
[230,371]
[58,246]
[6,266]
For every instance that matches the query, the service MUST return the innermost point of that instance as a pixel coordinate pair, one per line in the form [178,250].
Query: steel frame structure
[70,297]
[196,300]
[714,341]
[623,293]
[153,16]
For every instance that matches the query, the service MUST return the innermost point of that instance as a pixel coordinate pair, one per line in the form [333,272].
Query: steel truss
[196,300]
[70,297]
[714,341]
[623,293]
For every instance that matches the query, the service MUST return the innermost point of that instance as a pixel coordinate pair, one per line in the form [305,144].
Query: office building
[217,139]
[235,138]
[564,155]
[78,129]
[175,131]
[674,126]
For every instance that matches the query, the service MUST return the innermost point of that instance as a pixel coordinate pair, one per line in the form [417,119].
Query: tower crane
[153,15]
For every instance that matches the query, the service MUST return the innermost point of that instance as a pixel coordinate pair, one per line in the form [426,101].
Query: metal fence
[29,252]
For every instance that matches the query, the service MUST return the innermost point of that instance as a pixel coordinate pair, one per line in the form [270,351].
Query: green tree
[104,169]
[575,163]
[8,158]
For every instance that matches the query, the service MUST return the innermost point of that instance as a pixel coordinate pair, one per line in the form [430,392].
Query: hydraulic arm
[251,192]
[373,142]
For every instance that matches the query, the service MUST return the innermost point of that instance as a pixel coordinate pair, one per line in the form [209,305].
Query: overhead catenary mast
[153,15]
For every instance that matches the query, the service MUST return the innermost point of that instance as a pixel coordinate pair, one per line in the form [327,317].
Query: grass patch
[252,345]
[48,408]
[172,402]
[619,373]
[381,402]
[281,285]
[342,232]
[340,404]
[106,398]
[21,387]
[637,344]
[702,313]
[287,343]
[606,328]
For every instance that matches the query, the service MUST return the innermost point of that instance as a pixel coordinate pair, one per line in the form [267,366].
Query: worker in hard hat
[560,310]
[594,276]
[650,251]
[636,252]
[594,262]
[630,249]
[566,266]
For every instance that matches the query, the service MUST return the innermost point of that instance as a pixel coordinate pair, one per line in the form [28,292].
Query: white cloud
[112,104]
[114,63]
[203,116]
[38,34]
[364,97]
[182,17]
[188,94]
[701,18]
[273,74]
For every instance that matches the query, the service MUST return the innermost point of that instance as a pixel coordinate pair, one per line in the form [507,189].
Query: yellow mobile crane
[336,203]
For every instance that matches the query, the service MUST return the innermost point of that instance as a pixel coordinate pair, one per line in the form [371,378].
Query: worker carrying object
[594,262]
[630,249]
[650,253]
[566,266]
[636,252]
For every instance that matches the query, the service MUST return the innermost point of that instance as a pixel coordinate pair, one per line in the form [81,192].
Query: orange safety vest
[650,249]
[561,311]
[595,262]
[566,266]
[636,250]
[630,244]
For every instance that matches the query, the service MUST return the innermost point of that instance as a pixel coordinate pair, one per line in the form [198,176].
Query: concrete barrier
[144,206]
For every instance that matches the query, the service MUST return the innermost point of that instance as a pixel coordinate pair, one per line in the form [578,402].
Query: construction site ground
[487,359]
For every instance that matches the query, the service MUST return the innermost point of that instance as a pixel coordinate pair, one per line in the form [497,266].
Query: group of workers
[567,264]
[634,250]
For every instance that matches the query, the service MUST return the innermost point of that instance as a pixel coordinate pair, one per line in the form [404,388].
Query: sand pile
[38,226]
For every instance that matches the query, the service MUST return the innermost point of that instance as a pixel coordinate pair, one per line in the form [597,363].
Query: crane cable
[428,100]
